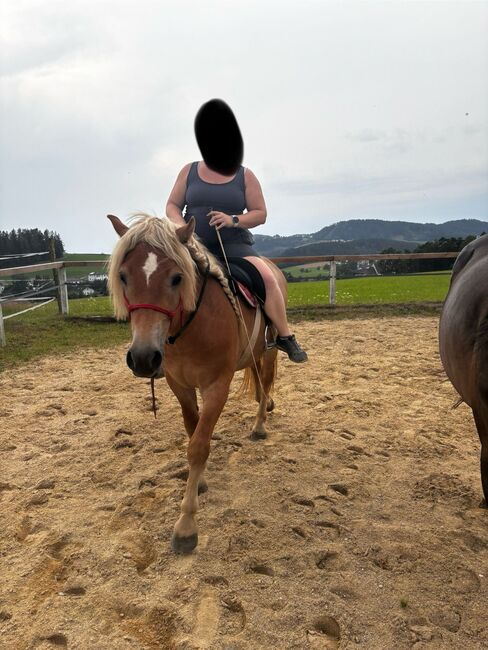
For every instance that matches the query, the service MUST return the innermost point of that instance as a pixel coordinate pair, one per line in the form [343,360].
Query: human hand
[220,219]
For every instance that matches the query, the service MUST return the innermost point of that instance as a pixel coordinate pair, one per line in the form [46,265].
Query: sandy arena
[355,525]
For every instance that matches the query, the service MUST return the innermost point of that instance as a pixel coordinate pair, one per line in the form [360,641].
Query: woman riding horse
[222,195]
[187,325]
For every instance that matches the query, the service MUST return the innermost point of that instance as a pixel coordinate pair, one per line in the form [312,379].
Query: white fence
[62,289]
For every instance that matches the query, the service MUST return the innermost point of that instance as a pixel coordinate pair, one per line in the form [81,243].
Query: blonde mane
[161,234]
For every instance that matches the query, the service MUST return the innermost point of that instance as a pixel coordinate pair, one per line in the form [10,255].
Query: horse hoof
[270,406]
[184,545]
[202,487]
[258,435]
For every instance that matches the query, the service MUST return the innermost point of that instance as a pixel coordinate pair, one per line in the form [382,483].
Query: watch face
[235,219]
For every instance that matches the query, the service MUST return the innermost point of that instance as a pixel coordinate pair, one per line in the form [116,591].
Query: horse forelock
[160,233]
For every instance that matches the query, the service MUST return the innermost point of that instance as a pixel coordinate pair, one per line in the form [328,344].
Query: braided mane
[161,234]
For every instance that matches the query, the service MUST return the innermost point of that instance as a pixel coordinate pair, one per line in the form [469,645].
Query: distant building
[93,277]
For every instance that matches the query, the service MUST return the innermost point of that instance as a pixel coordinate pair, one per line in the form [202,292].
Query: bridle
[147,305]
[171,313]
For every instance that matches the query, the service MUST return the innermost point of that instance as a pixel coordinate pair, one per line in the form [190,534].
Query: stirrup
[269,345]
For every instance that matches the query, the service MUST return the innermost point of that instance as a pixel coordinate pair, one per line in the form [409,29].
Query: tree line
[442,245]
[28,240]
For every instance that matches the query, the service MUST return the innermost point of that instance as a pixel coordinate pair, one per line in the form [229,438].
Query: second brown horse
[463,338]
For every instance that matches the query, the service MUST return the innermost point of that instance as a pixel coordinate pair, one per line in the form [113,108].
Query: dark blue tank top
[201,197]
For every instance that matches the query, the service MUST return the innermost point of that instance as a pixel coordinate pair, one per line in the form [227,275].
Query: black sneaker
[290,345]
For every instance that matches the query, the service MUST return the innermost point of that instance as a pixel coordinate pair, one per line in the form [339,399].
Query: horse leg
[481,420]
[267,371]
[187,397]
[214,396]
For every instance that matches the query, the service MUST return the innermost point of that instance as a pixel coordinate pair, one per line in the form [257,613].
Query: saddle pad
[243,272]
[249,297]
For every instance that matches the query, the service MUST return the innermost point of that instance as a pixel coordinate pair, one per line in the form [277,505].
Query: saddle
[246,281]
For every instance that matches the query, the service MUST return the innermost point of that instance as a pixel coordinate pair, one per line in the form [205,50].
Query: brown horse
[463,338]
[186,325]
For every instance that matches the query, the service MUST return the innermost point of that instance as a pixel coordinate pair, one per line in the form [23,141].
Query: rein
[241,316]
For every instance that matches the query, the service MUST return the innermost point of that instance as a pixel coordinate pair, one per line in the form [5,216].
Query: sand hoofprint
[355,524]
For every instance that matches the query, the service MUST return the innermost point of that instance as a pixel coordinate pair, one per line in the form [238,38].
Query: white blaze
[150,265]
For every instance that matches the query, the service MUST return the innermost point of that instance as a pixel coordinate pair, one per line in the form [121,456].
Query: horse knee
[198,451]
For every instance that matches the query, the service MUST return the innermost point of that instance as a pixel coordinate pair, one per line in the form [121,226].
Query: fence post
[332,283]
[52,255]
[3,340]
[63,292]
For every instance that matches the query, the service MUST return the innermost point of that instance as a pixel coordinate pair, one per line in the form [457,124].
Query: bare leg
[274,306]
[214,396]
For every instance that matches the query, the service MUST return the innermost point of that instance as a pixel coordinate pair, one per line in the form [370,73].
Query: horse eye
[176,280]
[123,278]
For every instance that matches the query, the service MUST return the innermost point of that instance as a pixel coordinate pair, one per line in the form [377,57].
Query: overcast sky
[348,109]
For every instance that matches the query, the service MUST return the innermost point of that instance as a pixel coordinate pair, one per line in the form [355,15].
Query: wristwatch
[235,220]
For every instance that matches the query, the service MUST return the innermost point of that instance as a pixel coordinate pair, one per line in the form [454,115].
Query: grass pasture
[82,271]
[307,271]
[44,331]
[372,290]
[72,273]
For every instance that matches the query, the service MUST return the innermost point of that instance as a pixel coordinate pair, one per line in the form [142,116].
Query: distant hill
[350,236]
[352,247]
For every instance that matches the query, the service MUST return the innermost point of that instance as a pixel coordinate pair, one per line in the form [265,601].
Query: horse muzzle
[145,361]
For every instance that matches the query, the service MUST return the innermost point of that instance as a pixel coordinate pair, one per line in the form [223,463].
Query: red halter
[162,310]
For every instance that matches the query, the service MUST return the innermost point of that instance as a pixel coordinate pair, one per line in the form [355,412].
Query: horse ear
[120,228]
[185,232]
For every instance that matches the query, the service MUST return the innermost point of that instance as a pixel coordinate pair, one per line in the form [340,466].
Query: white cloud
[347,109]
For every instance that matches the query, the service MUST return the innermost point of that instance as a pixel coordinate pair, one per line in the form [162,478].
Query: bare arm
[176,200]
[256,207]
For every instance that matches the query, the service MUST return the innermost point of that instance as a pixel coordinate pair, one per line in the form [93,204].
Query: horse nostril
[130,360]
[156,360]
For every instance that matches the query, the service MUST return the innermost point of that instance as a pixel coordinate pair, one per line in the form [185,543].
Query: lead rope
[153,397]
[242,317]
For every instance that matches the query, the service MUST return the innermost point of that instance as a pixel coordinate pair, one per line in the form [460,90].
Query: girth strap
[247,352]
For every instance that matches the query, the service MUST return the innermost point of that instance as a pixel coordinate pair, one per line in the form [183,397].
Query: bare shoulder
[250,178]
[185,170]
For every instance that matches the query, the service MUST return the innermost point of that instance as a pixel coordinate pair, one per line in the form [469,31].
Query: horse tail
[267,368]
[250,383]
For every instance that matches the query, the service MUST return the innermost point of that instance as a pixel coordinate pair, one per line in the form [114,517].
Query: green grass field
[371,290]
[72,273]
[308,271]
[82,271]
[44,331]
